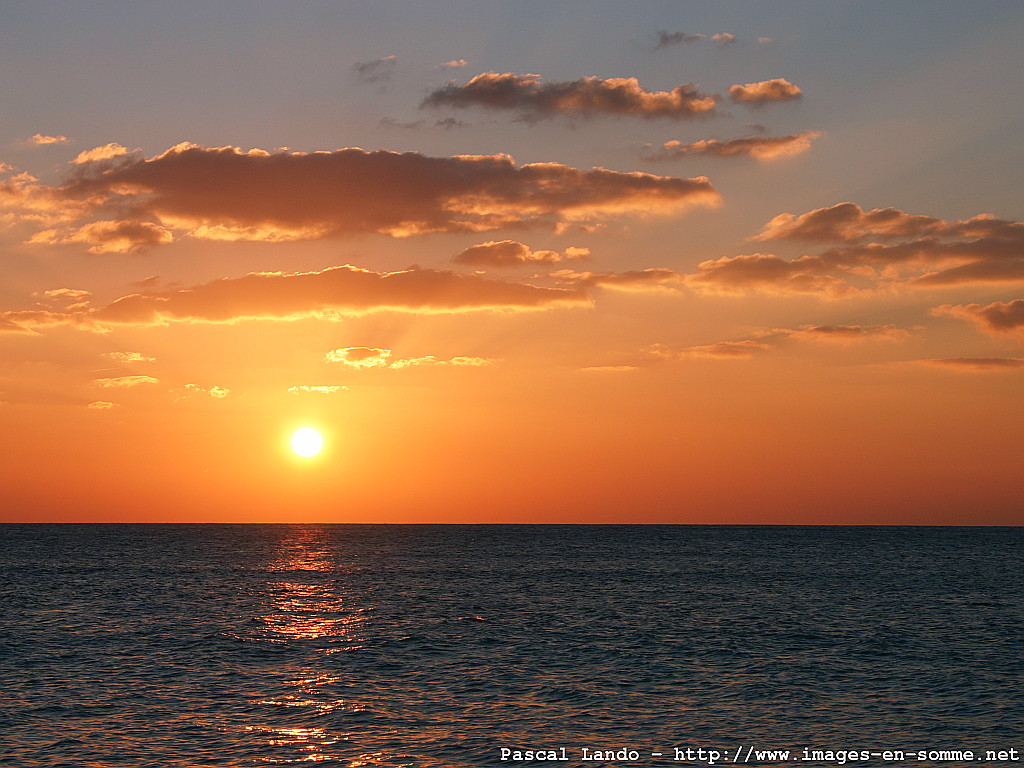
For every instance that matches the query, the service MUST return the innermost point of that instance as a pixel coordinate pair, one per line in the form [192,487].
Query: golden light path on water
[306,605]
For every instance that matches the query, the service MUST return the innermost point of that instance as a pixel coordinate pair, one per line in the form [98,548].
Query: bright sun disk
[307,442]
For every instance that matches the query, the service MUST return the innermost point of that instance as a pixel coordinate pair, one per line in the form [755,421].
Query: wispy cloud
[375,70]
[328,294]
[124,382]
[757,147]
[373,357]
[996,319]
[667,39]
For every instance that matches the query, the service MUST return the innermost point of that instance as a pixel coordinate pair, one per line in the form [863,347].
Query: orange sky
[693,271]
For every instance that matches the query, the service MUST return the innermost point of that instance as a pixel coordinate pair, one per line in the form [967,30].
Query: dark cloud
[667,39]
[779,89]
[226,193]
[375,70]
[757,147]
[585,97]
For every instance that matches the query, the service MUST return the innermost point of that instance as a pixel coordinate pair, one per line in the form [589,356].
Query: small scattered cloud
[512,253]
[124,382]
[375,70]
[668,39]
[585,97]
[765,91]
[101,405]
[610,368]
[454,64]
[316,389]
[40,139]
[765,40]
[724,39]
[129,357]
[999,318]
[359,357]
[757,147]
[217,393]
[373,357]
[390,122]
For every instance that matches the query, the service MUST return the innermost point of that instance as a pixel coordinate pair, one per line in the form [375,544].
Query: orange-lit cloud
[585,97]
[763,272]
[229,194]
[218,393]
[757,147]
[101,405]
[327,294]
[779,89]
[995,319]
[316,389]
[110,236]
[633,280]
[455,64]
[43,140]
[774,338]
[724,39]
[99,154]
[372,357]
[512,253]
[933,253]
[129,357]
[124,382]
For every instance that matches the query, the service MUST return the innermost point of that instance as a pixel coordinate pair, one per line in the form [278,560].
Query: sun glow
[307,442]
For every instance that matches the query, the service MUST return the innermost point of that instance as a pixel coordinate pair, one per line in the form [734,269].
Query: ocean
[458,646]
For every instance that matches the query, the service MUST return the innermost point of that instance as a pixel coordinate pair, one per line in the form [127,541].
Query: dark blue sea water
[260,645]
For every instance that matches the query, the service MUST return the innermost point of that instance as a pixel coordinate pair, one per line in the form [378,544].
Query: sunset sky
[652,262]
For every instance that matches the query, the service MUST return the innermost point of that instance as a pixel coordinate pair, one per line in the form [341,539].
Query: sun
[307,442]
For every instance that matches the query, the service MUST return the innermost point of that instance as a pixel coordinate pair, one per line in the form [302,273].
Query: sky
[516,262]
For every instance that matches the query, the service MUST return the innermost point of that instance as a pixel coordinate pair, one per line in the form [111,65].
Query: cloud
[763,272]
[976,364]
[372,357]
[666,38]
[226,193]
[319,389]
[100,154]
[511,253]
[375,70]
[585,97]
[779,89]
[774,338]
[43,140]
[757,147]
[124,382]
[129,357]
[765,40]
[359,357]
[654,279]
[101,405]
[110,236]
[995,319]
[889,246]
[454,64]
[724,39]
[329,294]
[218,393]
